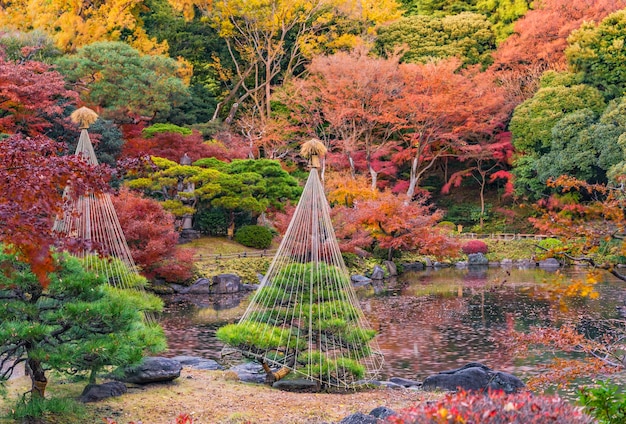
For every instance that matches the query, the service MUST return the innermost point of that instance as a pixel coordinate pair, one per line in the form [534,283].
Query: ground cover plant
[493,408]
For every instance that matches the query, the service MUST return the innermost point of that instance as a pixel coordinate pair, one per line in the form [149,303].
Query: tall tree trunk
[412,180]
[37,377]
[374,175]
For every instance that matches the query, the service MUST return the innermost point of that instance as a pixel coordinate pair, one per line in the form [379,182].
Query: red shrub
[493,408]
[151,237]
[475,246]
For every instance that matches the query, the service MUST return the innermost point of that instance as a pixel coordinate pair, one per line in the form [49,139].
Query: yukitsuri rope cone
[92,218]
[305,317]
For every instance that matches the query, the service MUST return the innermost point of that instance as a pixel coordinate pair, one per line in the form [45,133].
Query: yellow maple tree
[73,24]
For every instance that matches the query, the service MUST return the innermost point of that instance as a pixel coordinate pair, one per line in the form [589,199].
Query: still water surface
[428,321]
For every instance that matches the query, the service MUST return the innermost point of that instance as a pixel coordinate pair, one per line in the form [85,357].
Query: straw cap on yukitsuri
[312,150]
[84,117]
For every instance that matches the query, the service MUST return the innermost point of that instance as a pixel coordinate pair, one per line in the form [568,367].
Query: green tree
[468,36]
[78,324]
[533,122]
[598,52]
[242,186]
[200,45]
[117,78]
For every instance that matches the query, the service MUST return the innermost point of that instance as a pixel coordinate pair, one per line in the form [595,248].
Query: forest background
[439,116]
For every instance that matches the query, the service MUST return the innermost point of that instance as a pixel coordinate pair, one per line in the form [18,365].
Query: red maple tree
[32,96]
[33,176]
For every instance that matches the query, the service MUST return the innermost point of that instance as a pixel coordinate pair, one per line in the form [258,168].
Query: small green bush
[255,236]
[549,244]
[213,222]
[605,402]
[150,131]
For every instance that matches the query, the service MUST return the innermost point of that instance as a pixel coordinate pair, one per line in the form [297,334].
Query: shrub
[548,244]
[255,236]
[605,402]
[213,222]
[493,408]
[163,128]
[475,246]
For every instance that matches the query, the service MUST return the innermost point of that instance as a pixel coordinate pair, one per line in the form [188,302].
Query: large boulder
[477,259]
[198,363]
[226,283]
[549,264]
[413,266]
[152,370]
[391,268]
[96,392]
[250,372]
[378,273]
[359,418]
[360,280]
[473,377]
[200,286]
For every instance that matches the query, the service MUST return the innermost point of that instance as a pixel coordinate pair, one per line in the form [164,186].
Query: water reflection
[427,321]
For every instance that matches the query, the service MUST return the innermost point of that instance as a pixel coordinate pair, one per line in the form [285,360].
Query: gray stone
[198,363]
[428,262]
[96,392]
[296,385]
[360,280]
[382,412]
[390,385]
[200,286]
[391,268]
[226,283]
[549,263]
[477,259]
[405,382]
[152,370]
[378,273]
[506,262]
[473,377]
[461,264]
[250,372]
[413,266]
[249,287]
[359,418]
[525,263]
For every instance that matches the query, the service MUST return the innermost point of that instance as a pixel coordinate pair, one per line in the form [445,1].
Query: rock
[477,259]
[382,412]
[405,382]
[359,418]
[525,263]
[200,286]
[96,392]
[413,266]
[360,280]
[461,264]
[250,372]
[152,370]
[198,363]
[473,377]
[506,262]
[260,277]
[428,262]
[225,283]
[378,273]
[178,288]
[549,264]
[391,268]
[249,287]
[296,385]
[390,385]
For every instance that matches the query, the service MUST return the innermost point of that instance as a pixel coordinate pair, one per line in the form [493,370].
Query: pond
[428,321]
